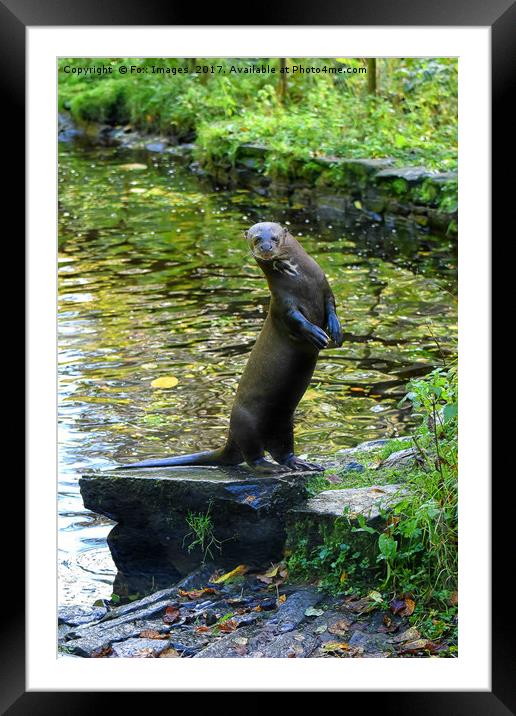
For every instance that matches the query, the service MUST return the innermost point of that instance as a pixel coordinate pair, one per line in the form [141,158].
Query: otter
[301,320]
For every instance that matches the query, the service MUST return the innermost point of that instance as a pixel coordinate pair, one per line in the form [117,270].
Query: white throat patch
[285,266]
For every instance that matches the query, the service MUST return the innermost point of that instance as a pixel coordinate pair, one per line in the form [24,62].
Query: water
[155,280]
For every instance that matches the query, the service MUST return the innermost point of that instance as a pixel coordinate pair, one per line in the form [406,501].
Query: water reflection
[156,281]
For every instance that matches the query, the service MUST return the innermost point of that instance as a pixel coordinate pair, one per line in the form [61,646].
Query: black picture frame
[500,16]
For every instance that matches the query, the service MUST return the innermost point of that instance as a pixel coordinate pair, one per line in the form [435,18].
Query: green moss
[104,103]
[442,195]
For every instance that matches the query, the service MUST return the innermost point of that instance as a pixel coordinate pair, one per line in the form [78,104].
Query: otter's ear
[284,232]
[246,235]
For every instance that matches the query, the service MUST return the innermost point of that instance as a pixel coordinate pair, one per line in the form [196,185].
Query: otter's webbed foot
[265,467]
[296,464]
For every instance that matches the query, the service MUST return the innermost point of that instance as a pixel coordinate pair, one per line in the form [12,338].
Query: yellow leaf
[282,598]
[157,191]
[336,646]
[133,167]
[343,577]
[311,394]
[357,204]
[375,596]
[241,569]
[165,382]
[273,571]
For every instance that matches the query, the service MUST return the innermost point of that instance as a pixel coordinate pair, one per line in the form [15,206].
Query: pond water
[155,280]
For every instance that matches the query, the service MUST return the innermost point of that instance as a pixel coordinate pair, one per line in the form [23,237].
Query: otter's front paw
[316,336]
[335,330]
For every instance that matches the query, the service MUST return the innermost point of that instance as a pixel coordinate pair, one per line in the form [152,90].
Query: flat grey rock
[80,615]
[295,644]
[234,645]
[400,458]
[292,611]
[153,506]
[366,501]
[139,648]
[409,174]
[96,640]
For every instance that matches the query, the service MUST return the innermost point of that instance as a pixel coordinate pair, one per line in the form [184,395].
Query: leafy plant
[202,531]
[416,550]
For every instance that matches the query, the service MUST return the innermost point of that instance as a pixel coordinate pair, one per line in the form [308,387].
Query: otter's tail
[222,456]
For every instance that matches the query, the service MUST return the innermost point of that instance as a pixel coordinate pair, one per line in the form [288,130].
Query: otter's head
[266,240]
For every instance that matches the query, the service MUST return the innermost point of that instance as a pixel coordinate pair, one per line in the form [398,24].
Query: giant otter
[301,320]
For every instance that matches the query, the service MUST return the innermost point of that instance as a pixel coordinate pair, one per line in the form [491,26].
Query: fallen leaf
[403,606]
[272,571]
[202,629]
[281,599]
[340,627]
[228,626]
[336,646]
[410,634]
[387,620]
[165,382]
[152,634]
[170,654]
[362,606]
[410,605]
[396,605]
[237,572]
[171,614]
[375,596]
[313,612]
[412,647]
[196,593]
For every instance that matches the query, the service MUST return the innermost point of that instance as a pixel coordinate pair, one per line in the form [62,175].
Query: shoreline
[335,188]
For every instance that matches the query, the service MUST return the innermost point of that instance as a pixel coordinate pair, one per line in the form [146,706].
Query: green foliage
[416,550]
[412,118]
[335,565]
[424,523]
[202,533]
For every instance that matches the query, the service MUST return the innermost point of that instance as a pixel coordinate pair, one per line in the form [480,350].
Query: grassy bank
[415,556]
[410,117]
